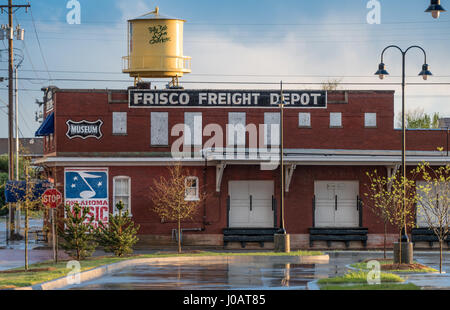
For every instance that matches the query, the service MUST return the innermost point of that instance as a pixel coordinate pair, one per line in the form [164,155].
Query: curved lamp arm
[388,47]
[416,46]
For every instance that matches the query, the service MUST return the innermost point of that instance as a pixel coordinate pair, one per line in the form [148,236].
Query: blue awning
[47,127]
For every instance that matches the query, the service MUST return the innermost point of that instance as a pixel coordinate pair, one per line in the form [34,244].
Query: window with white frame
[370,120]
[191,188]
[121,192]
[335,119]
[119,123]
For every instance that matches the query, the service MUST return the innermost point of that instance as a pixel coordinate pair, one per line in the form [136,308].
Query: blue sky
[246,40]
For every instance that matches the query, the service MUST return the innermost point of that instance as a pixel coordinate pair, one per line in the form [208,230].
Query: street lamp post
[435,8]
[424,73]
[282,239]
[283,229]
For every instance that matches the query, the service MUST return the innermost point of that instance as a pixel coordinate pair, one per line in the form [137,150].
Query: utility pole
[16,90]
[10,33]
[282,157]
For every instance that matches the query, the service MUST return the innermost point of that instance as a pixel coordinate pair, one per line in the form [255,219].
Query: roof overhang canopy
[48,126]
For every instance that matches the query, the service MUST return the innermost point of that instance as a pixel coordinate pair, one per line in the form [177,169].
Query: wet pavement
[431,281]
[34,225]
[263,274]
[250,275]
[14,258]
[12,253]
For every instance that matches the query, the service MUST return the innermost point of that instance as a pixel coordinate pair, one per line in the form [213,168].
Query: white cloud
[296,50]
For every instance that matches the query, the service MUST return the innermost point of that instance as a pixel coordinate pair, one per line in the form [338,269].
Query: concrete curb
[405,273]
[106,269]
[313,286]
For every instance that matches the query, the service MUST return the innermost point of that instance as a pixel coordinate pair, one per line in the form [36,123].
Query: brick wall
[93,105]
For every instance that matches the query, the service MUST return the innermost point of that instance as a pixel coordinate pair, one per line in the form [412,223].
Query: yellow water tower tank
[155,47]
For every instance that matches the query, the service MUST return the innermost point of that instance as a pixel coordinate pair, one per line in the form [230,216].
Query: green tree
[78,235]
[27,198]
[171,201]
[3,206]
[331,85]
[3,179]
[4,163]
[119,236]
[379,193]
[418,119]
[394,200]
[434,201]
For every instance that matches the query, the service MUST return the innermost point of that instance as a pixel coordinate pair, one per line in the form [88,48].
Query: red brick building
[328,148]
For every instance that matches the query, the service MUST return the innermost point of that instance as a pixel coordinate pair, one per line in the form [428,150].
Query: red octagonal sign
[52,198]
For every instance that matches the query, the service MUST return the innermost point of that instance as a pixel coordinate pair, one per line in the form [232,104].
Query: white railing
[157,63]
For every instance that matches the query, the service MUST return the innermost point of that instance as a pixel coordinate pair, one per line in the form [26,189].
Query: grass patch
[358,277]
[367,287]
[387,265]
[47,271]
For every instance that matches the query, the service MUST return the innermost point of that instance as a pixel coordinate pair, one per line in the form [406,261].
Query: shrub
[78,234]
[119,236]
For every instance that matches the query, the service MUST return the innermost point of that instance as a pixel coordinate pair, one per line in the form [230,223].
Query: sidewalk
[12,255]
[14,258]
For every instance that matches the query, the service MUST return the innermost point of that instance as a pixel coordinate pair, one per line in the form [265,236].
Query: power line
[228,75]
[39,43]
[100,39]
[109,22]
[250,82]
[28,55]
[243,82]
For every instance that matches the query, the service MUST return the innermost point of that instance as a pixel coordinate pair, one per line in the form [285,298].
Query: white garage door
[421,217]
[251,203]
[336,203]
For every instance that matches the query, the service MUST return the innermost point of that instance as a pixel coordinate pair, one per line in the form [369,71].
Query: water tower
[155,48]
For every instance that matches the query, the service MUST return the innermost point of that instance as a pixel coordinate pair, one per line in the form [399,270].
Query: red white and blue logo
[88,187]
[86,184]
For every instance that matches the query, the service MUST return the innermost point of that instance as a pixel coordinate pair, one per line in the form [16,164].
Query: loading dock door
[336,203]
[421,217]
[251,204]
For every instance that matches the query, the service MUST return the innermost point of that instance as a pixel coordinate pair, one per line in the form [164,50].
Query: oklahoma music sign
[139,98]
[88,187]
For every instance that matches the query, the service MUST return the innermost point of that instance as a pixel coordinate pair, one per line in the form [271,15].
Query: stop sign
[52,198]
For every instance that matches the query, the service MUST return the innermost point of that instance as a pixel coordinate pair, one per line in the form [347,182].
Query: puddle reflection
[208,276]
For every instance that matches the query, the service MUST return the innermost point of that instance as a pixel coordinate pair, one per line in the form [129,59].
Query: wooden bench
[338,234]
[244,235]
[39,235]
[426,235]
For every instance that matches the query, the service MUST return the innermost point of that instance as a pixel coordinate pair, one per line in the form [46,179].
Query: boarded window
[193,128]
[304,119]
[370,120]
[336,119]
[271,129]
[119,123]
[236,128]
[159,128]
